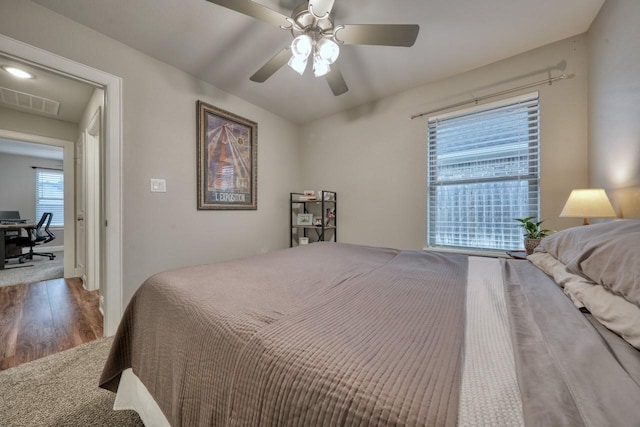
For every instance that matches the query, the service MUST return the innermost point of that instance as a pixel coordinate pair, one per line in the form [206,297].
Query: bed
[346,335]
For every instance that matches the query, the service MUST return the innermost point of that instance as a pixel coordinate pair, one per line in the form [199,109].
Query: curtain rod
[548,81]
[41,167]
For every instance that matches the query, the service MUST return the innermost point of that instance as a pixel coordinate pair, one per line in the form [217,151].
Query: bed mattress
[338,334]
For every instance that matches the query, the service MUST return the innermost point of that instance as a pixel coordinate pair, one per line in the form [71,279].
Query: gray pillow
[606,253]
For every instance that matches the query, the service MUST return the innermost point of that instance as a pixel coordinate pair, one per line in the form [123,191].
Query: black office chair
[38,236]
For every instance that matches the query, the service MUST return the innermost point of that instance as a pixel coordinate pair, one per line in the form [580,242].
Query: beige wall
[19,121]
[164,230]
[614,104]
[375,156]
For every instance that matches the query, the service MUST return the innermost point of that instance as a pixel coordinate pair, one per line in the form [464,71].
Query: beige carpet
[36,270]
[61,390]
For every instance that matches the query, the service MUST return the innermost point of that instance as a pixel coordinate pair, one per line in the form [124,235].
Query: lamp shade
[301,46]
[328,50]
[320,67]
[298,63]
[588,203]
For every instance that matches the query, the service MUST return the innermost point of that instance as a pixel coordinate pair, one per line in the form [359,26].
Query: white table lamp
[588,203]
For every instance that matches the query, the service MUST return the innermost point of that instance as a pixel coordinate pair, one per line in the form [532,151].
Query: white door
[80,191]
[92,202]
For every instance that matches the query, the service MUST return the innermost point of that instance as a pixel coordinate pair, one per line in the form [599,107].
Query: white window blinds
[483,171]
[50,195]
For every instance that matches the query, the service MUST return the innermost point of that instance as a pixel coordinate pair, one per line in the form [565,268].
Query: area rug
[36,270]
[61,390]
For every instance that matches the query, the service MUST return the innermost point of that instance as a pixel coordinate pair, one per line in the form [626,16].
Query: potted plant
[533,233]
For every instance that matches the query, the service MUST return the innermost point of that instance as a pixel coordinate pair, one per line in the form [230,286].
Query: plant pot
[530,244]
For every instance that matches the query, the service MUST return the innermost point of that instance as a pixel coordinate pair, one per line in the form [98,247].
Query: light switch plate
[158,185]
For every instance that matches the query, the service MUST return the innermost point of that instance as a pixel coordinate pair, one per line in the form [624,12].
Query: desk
[7,227]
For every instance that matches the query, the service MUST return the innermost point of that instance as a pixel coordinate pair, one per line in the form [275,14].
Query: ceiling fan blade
[254,10]
[272,65]
[379,34]
[321,7]
[336,81]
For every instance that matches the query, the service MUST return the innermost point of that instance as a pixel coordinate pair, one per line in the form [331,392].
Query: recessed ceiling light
[18,72]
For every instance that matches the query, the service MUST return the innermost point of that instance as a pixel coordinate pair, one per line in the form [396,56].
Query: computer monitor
[9,214]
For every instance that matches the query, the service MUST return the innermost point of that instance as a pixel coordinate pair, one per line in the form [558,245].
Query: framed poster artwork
[227,159]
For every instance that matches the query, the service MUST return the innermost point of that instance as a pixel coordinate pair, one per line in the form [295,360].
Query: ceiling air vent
[29,102]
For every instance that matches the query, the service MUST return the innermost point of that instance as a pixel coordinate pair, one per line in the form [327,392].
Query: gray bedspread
[326,334]
[335,334]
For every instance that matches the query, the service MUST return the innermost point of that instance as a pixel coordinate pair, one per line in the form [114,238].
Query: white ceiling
[225,48]
[73,95]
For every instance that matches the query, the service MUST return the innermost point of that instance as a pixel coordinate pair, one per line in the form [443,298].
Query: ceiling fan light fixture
[328,50]
[315,35]
[301,46]
[298,63]
[320,66]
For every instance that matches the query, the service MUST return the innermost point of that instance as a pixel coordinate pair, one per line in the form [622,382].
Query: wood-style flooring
[39,319]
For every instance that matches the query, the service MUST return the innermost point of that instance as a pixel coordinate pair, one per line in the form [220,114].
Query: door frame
[111,257]
[78,185]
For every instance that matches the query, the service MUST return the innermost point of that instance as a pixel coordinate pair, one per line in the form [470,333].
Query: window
[483,171]
[50,195]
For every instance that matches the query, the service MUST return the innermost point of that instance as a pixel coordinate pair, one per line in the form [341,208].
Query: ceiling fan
[316,37]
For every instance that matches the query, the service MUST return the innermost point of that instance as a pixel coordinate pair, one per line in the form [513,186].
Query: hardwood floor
[39,319]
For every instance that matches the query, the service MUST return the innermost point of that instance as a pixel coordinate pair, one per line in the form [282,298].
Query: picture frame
[227,160]
[304,219]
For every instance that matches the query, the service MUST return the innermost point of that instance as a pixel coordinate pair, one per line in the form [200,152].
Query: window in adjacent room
[483,171]
[50,195]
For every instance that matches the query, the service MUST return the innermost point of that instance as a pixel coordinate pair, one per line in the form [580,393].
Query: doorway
[110,190]
[26,144]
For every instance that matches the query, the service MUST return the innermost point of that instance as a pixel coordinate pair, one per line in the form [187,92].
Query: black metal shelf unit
[322,210]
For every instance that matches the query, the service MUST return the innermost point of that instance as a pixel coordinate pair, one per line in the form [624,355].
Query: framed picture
[227,159]
[304,219]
